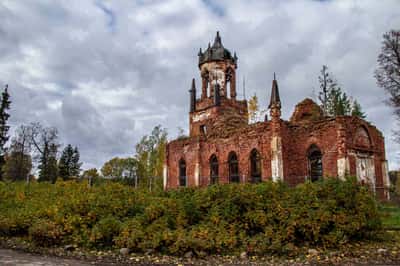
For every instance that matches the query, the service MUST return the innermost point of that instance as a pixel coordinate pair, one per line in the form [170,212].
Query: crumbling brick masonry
[223,147]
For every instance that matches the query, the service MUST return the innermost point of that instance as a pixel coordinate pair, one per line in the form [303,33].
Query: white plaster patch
[165,176]
[276,162]
[197,174]
[366,169]
[201,116]
[343,166]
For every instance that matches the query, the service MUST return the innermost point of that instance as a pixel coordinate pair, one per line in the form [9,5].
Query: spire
[217,41]
[193,96]
[275,99]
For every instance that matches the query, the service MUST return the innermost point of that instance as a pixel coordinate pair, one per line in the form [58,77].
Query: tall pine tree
[64,165]
[356,110]
[69,165]
[4,115]
[327,85]
[76,165]
[334,101]
[48,169]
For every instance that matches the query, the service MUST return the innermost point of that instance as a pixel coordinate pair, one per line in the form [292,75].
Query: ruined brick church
[224,148]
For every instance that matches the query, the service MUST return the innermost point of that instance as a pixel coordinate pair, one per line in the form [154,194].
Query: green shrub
[46,233]
[105,230]
[263,218]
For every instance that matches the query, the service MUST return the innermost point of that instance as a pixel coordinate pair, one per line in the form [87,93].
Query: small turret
[275,102]
[193,97]
[275,99]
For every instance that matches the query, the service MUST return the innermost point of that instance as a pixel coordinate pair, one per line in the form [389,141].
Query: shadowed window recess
[182,173]
[315,163]
[255,166]
[213,170]
[233,168]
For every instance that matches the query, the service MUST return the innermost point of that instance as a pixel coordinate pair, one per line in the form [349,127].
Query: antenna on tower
[244,87]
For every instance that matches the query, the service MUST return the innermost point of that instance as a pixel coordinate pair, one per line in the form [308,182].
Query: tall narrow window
[182,173]
[255,166]
[233,168]
[203,130]
[315,163]
[205,88]
[230,83]
[213,170]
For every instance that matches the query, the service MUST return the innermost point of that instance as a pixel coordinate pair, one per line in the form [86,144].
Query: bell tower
[218,89]
[217,65]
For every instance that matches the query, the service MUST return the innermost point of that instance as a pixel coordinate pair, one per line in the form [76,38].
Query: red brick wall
[296,140]
[256,136]
[209,113]
[377,148]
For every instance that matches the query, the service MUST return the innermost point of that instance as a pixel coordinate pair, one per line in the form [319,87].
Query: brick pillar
[197,166]
[343,165]
[165,169]
[276,144]
[233,86]
[204,83]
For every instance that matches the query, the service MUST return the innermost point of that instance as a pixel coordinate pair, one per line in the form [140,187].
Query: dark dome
[216,52]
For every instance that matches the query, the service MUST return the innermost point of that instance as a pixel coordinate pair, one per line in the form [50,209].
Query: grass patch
[390,215]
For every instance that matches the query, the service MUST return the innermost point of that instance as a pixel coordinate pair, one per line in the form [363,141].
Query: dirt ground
[19,252]
[12,257]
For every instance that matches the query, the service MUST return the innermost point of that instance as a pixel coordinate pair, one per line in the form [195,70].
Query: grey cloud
[105,73]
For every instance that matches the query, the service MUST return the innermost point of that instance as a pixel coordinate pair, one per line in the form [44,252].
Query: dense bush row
[268,217]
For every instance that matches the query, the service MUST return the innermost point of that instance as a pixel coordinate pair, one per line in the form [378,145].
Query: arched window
[205,79]
[361,138]
[213,170]
[233,168]
[315,163]
[182,173]
[228,81]
[255,166]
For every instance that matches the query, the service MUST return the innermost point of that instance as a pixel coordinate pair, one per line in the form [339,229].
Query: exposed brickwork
[349,145]
[306,111]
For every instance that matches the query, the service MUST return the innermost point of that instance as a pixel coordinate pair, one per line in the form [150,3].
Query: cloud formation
[106,72]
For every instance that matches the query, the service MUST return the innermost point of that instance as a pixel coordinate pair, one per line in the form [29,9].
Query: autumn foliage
[263,218]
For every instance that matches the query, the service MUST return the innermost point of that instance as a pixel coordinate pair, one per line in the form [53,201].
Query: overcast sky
[106,72]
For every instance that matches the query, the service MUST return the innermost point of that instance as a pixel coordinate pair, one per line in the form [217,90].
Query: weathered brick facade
[222,147]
